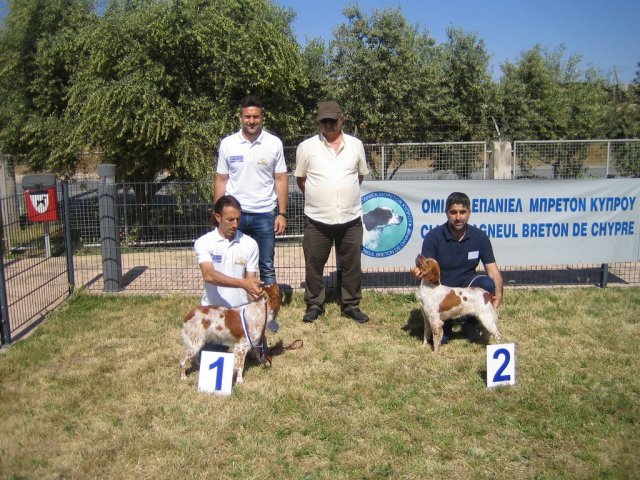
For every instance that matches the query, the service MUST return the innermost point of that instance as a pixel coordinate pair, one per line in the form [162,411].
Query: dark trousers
[316,244]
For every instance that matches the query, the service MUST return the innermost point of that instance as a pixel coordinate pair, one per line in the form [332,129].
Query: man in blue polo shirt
[459,248]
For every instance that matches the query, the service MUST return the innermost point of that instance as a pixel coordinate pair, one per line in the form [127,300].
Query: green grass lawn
[95,393]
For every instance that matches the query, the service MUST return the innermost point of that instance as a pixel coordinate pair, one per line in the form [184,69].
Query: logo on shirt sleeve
[216,258]
[236,158]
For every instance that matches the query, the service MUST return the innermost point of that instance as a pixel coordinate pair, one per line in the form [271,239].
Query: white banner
[540,222]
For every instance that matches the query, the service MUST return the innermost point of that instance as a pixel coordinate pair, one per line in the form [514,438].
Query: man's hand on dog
[253,286]
[417,273]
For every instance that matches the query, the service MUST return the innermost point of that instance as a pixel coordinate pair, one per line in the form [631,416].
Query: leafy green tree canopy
[36,68]
[470,91]
[383,71]
[155,84]
[546,97]
[158,86]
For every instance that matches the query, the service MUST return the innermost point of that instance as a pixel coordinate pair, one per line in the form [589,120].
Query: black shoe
[356,314]
[447,328]
[447,332]
[312,315]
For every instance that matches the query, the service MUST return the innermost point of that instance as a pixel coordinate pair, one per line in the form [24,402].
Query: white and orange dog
[440,303]
[241,329]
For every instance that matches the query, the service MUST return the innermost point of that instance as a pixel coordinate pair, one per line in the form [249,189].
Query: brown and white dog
[440,303]
[224,326]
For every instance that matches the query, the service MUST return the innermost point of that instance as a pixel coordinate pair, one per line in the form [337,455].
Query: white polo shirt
[233,258]
[251,168]
[332,188]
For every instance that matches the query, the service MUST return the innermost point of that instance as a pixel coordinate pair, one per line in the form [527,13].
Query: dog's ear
[272,290]
[274,297]
[488,297]
[369,221]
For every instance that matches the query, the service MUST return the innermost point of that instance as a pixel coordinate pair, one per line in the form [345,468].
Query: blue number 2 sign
[216,372]
[501,365]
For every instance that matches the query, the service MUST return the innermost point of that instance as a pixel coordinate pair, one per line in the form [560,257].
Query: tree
[537,101]
[591,102]
[547,98]
[468,97]
[315,61]
[159,86]
[533,100]
[37,63]
[469,90]
[624,116]
[153,84]
[382,71]
[627,123]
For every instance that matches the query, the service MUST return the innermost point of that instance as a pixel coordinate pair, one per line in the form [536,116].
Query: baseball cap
[329,110]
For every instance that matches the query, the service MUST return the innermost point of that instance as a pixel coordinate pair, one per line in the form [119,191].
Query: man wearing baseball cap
[330,167]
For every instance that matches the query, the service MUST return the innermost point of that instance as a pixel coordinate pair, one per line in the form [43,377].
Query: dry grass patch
[95,393]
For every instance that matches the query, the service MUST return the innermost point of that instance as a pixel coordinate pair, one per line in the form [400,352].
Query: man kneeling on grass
[458,248]
[228,259]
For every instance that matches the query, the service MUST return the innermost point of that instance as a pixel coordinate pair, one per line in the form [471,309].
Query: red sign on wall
[42,205]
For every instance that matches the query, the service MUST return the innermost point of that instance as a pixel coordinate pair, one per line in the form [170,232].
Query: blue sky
[605,33]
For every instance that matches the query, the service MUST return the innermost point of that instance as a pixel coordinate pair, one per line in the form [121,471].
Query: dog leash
[263,351]
[296,344]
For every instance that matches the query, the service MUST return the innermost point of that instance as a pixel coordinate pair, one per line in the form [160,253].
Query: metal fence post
[67,236]
[5,332]
[485,155]
[605,275]
[109,231]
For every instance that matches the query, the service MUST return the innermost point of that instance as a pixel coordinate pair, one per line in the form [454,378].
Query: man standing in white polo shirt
[228,259]
[251,167]
[330,168]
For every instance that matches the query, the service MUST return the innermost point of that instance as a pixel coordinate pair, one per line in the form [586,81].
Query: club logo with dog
[387,224]
[40,201]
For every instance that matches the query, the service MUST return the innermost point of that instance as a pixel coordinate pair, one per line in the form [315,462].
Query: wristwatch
[282,214]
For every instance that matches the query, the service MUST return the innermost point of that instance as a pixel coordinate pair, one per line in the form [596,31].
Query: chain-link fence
[158,222]
[576,159]
[421,161]
[34,272]
[158,227]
